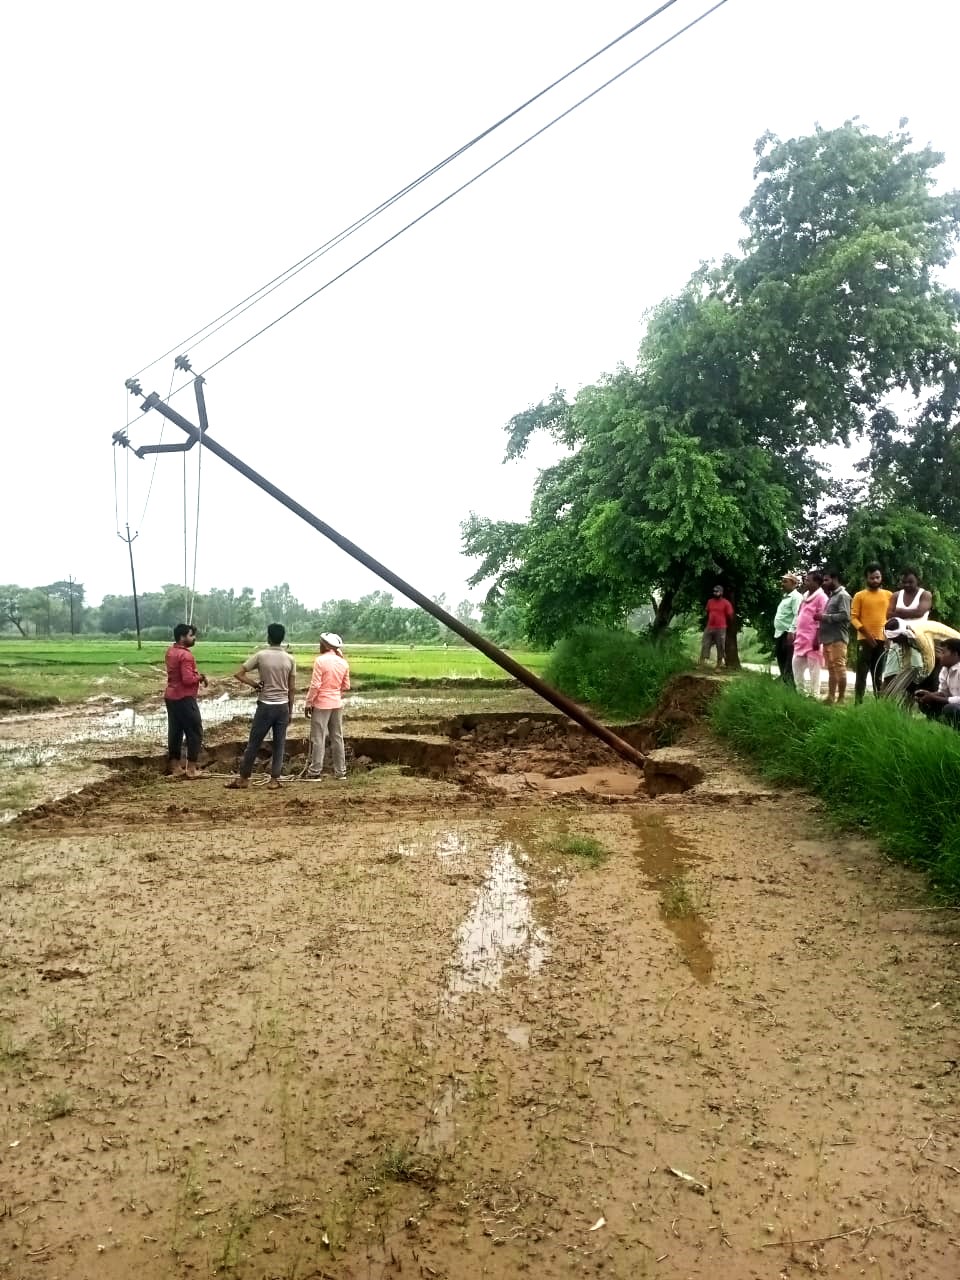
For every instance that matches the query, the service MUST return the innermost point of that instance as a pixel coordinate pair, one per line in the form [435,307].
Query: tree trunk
[732,650]
[663,614]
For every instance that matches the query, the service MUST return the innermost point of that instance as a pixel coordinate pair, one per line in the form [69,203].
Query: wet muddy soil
[410,1026]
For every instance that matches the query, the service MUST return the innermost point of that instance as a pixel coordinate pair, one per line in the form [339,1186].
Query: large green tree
[898,537]
[697,465]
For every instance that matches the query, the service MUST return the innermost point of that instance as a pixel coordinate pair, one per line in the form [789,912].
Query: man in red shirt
[180,697]
[719,616]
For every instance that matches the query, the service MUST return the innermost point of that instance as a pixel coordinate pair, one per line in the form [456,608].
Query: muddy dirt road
[470,1020]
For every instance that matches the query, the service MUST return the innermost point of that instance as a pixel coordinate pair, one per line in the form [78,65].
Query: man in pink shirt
[324,706]
[807,654]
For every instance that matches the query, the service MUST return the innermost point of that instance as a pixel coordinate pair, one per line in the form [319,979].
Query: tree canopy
[697,464]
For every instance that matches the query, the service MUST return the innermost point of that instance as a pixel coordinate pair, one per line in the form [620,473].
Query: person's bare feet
[274,784]
[237,784]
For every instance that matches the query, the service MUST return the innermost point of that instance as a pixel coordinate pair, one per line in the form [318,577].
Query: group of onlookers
[906,655]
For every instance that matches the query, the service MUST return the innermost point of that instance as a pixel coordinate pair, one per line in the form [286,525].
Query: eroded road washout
[51,761]
[397,1027]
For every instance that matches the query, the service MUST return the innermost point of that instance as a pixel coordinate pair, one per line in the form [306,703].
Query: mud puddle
[597,781]
[500,933]
[665,857]
[500,936]
[439,1134]
[499,940]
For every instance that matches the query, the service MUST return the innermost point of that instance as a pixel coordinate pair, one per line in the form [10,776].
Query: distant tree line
[226,614]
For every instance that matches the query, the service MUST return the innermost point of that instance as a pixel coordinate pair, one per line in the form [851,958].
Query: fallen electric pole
[199,435]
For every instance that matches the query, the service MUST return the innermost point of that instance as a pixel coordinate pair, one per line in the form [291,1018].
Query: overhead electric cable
[116,503]
[469,183]
[156,456]
[483,172]
[196,531]
[228,316]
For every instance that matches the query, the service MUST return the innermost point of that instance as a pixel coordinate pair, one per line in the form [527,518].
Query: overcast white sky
[162,160]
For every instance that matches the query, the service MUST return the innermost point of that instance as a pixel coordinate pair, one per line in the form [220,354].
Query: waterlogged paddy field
[489,1010]
[75,669]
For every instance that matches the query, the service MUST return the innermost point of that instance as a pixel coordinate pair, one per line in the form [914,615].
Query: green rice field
[74,669]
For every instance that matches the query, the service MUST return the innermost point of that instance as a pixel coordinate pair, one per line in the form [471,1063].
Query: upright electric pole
[133,580]
[70,593]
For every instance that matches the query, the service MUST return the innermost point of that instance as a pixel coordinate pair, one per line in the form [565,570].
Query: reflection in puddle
[500,927]
[439,1133]
[664,857]
[520,1036]
[30,735]
[64,731]
[131,723]
[451,844]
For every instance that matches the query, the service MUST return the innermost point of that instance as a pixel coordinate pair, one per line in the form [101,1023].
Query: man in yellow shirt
[868,612]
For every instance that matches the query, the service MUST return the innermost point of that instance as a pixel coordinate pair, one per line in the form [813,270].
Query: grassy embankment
[890,774]
[72,670]
[619,672]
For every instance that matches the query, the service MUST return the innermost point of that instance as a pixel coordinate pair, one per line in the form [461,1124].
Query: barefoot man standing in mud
[180,698]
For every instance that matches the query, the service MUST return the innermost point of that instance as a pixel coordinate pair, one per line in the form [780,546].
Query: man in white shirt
[945,703]
[784,626]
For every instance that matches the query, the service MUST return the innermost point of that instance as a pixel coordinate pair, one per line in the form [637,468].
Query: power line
[483,172]
[469,183]
[156,456]
[234,312]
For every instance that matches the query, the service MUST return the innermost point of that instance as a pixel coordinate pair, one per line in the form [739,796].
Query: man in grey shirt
[275,688]
[835,635]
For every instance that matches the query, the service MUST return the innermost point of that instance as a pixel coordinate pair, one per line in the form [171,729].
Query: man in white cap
[324,706]
[785,626]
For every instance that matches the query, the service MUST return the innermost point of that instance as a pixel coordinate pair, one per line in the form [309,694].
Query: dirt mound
[16,700]
[687,696]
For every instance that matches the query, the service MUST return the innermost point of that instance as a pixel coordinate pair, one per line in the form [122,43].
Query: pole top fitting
[121,438]
[133,386]
[183,364]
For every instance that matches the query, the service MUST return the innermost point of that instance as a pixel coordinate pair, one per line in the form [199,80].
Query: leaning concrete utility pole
[199,435]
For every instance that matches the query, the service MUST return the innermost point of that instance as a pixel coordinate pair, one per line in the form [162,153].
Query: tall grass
[619,672]
[878,768]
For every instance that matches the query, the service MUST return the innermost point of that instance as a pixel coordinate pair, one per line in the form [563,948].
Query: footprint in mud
[664,858]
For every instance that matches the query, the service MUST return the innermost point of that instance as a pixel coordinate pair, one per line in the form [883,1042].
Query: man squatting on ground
[835,635]
[180,699]
[945,703]
[868,613]
[719,616]
[275,688]
[324,706]
[785,626]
